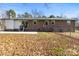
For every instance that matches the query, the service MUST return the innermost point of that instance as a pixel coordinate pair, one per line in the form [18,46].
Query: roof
[36,19]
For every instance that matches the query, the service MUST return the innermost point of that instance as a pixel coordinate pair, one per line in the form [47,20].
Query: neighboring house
[38,24]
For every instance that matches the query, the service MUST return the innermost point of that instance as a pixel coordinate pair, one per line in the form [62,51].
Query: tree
[3,13]
[37,14]
[43,16]
[24,15]
[27,15]
[58,16]
[51,16]
[11,13]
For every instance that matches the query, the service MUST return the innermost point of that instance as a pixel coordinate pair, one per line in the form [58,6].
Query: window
[34,22]
[46,23]
[53,22]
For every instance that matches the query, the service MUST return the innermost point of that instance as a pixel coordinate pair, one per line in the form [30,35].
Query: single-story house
[37,24]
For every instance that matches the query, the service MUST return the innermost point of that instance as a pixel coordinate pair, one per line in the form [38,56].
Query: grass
[43,43]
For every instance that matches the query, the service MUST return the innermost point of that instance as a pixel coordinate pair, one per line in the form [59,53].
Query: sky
[66,9]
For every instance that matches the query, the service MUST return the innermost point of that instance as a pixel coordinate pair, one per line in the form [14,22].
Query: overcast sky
[68,9]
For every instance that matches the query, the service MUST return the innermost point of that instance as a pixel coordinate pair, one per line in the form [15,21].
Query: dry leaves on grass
[43,43]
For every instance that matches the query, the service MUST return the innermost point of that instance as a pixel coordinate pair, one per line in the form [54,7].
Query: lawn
[42,43]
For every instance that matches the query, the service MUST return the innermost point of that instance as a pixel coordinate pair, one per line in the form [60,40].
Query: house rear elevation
[37,24]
